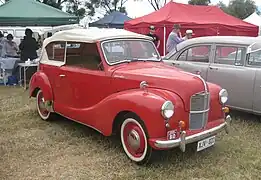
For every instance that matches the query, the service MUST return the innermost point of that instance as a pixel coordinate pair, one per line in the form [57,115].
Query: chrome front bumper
[183,140]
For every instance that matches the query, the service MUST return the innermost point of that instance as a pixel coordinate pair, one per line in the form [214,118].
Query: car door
[194,59]
[228,71]
[254,61]
[87,79]
[62,93]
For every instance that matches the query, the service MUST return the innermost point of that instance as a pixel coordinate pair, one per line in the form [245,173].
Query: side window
[196,54]
[229,55]
[55,51]
[83,55]
[255,58]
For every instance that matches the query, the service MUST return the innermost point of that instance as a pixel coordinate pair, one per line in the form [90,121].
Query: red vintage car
[114,81]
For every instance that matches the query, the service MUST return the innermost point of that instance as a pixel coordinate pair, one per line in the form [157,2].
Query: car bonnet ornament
[143,84]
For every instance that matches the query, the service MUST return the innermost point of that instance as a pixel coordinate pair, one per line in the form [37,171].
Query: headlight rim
[164,108]
[221,93]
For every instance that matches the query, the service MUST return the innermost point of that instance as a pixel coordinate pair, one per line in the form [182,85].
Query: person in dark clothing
[152,34]
[28,46]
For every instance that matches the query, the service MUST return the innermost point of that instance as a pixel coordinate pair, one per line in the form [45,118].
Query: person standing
[174,38]
[189,34]
[28,46]
[10,48]
[152,34]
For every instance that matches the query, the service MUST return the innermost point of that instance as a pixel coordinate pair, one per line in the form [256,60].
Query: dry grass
[34,149]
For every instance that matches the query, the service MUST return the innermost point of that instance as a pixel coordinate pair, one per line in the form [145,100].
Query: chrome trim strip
[198,112]
[202,80]
[79,122]
[182,141]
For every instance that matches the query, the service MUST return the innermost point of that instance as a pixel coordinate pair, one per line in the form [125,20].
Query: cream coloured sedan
[233,62]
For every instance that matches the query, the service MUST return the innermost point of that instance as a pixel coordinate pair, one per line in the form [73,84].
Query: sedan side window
[255,58]
[229,55]
[196,54]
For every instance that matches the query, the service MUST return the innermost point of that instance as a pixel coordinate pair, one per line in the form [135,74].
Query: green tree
[157,4]
[239,8]
[199,2]
[107,5]
[54,3]
[75,7]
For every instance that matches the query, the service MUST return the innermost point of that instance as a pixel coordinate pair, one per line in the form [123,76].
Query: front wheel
[134,141]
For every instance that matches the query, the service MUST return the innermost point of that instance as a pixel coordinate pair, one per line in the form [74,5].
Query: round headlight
[223,96]
[167,110]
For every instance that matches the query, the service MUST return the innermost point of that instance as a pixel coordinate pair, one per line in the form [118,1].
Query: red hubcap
[134,139]
[41,105]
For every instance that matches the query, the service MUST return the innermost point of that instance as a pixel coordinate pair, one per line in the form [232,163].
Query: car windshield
[119,51]
[254,54]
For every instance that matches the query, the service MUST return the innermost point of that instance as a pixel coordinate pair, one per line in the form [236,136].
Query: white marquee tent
[254,19]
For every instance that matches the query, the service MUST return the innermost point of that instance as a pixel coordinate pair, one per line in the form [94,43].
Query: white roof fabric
[254,19]
[92,35]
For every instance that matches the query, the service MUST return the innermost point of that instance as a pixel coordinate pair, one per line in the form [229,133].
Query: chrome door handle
[198,72]
[213,68]
[177,64]
[62,75]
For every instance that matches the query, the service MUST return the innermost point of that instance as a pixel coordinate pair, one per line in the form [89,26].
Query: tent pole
[164,40]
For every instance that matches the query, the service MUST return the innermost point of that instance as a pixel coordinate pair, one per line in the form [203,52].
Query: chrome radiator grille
[199,107]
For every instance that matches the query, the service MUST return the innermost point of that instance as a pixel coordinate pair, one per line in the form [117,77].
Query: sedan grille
[199,107]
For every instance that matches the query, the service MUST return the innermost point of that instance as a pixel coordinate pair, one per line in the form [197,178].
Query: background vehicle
[227,61]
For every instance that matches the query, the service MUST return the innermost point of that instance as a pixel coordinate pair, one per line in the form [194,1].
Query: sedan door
[254,61]
[194,59]
[228,71]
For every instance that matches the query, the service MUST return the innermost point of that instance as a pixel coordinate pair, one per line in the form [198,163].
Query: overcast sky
[142,7]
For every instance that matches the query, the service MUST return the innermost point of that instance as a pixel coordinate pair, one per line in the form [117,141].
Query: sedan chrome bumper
[183,140]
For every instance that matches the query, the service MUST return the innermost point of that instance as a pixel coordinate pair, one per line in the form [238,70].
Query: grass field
[33,149]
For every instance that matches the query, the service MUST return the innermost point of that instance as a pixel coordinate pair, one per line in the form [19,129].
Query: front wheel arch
[118,120]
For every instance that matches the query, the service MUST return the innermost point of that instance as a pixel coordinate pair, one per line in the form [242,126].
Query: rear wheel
[41,109]
[134,140]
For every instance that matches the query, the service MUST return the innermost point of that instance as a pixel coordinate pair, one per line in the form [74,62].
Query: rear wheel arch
[35,91]
[40,81]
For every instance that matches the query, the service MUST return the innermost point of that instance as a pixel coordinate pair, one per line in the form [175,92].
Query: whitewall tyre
[134,141]
[42,111]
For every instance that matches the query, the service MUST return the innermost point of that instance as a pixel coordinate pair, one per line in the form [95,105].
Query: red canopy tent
[203,20]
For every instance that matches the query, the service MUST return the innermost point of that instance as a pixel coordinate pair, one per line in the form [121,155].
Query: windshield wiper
[137,59]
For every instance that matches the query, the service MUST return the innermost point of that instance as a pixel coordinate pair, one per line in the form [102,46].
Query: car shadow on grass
[112,143]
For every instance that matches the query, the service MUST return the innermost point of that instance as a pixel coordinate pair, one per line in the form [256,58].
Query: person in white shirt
[189,34]
[10,48]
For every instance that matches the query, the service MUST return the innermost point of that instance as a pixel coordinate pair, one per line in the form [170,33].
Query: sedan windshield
[119,51]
